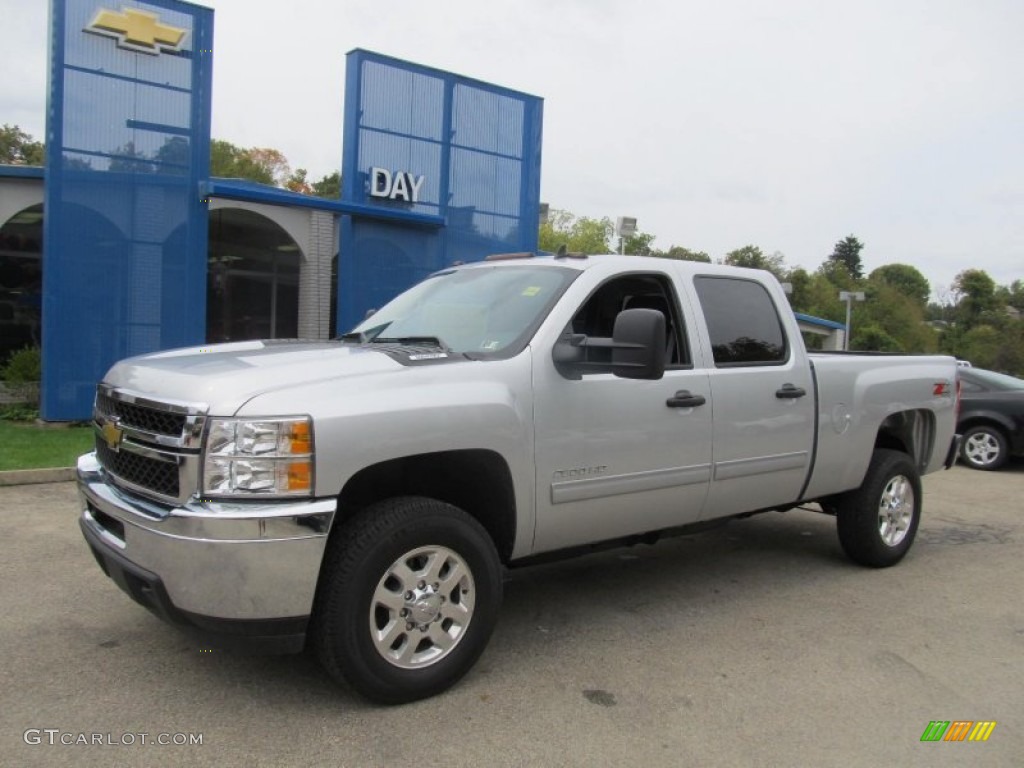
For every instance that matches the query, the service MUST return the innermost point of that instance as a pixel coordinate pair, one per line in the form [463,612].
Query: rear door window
[742,321]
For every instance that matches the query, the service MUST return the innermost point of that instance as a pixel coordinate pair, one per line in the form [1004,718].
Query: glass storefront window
[252,280]
[21,281]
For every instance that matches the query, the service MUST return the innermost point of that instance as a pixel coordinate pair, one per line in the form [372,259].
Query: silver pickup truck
[363,495]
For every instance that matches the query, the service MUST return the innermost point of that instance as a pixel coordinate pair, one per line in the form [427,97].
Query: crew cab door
[617,456]
[764,398]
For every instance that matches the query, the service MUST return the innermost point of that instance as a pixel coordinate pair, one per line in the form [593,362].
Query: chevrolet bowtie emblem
[137,30]
[112,434]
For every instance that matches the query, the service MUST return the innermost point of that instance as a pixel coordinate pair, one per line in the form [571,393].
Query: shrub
[18,412]
[23,367]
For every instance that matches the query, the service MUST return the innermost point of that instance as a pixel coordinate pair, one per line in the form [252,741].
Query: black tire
[878,521]
[984,447]
[374,586]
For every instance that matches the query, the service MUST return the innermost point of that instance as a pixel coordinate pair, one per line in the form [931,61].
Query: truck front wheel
[878,521]
[408,597]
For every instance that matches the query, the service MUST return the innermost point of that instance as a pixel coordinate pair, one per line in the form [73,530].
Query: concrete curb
[31,476]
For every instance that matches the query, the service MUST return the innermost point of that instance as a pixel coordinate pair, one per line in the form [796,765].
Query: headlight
[272,457]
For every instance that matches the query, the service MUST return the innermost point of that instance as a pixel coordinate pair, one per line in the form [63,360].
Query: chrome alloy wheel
[981,448]
[896,510]
[422,607]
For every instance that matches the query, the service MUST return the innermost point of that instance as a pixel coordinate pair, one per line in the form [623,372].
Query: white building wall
[315,278]
[18,194]
[315,232]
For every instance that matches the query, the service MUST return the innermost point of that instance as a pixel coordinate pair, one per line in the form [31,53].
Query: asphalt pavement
[757,644]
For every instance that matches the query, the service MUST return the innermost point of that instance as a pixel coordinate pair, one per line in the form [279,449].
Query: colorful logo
[958,730]
[113,435]
[137,30]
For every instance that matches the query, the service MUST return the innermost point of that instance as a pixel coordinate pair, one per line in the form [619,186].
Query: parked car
[991,418]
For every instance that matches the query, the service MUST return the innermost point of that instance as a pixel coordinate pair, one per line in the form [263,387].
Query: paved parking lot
[755,644]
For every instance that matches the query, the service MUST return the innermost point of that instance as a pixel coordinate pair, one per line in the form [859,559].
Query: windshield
[994,380]
[481,311]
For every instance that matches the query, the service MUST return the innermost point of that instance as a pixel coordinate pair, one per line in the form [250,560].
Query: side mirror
[635,351]
[638,348]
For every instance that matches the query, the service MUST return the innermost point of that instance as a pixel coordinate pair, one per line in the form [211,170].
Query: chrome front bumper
[245,568]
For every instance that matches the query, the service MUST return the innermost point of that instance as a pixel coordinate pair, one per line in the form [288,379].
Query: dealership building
[140,250]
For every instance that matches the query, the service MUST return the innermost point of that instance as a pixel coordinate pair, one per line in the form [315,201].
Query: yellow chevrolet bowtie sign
[137,30]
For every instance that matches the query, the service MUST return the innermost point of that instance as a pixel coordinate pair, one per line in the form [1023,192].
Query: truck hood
[225,376]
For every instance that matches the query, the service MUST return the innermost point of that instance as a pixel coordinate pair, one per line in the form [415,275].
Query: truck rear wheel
[878,521]
[408,597]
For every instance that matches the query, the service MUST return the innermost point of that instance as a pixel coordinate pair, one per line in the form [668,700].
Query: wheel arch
[986,419]
[478,481]
[911,432]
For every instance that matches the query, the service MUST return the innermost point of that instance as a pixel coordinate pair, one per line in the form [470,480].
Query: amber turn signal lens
[300,476]
[300,437]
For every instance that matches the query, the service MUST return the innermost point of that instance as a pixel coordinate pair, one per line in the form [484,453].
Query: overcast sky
[787,124]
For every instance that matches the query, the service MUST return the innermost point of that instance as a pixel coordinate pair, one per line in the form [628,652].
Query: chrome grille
[141,417]
[160,477]
[148,445]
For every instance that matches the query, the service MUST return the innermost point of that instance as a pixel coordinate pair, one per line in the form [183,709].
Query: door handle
[684,399]
[789,392]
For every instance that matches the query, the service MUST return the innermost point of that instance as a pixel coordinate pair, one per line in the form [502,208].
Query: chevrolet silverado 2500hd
[363,495]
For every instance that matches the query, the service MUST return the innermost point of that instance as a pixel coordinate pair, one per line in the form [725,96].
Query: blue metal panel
[819,321]
[21,171]
[240,189]
[477,147]
[125,231]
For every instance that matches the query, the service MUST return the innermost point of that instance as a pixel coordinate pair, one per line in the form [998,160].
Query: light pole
[849,297]
[625,226]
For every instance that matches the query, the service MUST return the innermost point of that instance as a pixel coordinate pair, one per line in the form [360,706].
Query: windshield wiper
[355,336]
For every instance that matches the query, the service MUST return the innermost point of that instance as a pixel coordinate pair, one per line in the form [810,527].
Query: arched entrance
[253,278]
[21,280]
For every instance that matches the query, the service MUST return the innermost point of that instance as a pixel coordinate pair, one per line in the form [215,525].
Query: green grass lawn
[23,445]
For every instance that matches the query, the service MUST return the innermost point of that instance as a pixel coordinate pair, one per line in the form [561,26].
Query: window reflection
[252,280]
[21,281]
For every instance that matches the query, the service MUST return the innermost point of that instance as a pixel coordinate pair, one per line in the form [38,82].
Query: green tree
[18,148]
[752,257]
[905,279]
[815,294]
[976,292]
[272,162]
[683,254]
[1012,295]
[297,182]
[329,186]
[799,280]
[638,244]
[578,234]
[898,316]
[848,251]
[982,345]
[837,274]
[868,337]
[266,166]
